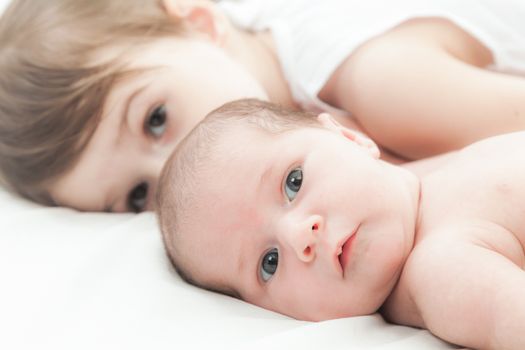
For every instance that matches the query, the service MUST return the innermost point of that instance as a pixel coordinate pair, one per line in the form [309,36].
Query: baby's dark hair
[178,181]
[54,80]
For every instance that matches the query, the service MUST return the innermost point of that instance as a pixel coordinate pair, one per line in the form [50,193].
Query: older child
[298,215]
[95,94]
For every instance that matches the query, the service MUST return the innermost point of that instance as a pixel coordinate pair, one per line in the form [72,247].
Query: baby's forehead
[223,191]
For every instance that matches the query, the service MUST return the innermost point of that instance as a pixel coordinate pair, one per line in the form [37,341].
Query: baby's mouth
[344,251]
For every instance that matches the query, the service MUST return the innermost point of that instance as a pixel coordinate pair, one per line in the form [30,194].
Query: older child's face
[145,117]
[307,223]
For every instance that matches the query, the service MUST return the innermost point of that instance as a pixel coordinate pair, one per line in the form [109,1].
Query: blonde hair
[52,87]
[177,188]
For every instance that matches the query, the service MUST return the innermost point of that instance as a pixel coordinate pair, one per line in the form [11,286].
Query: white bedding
[72,280]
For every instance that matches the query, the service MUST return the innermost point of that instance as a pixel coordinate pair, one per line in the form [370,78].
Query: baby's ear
[199,15]
[360,139]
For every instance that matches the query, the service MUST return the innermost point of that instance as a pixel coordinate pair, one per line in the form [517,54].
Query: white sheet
[72,280]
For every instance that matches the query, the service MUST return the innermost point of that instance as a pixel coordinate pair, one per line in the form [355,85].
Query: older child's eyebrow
[127,103]
[108,205]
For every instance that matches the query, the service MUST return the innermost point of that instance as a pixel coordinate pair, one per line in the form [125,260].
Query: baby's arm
[468,294]
[418,98]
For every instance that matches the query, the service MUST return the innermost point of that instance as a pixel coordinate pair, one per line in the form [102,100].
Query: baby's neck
[425,166]
[398,302]
[409,184]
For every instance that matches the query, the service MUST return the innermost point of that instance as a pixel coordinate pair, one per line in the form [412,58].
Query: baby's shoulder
[456,243]
[511,142]
[437,260]
[435,249]
[429,271]
[483,182]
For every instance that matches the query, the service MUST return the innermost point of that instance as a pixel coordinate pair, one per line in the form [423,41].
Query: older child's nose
[303,237]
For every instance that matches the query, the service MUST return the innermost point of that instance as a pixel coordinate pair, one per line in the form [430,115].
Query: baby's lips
[346,251]
[342,252]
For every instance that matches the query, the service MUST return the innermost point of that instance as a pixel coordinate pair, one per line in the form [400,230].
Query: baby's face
[306,223]
[146,115]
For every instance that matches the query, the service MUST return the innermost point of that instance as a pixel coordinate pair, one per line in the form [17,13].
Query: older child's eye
[269,264]
[156,122]
[293,182]
[137,198]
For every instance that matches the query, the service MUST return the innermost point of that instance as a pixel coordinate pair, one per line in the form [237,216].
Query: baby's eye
[137,198]
[155,123]
[293,182]
[269,264]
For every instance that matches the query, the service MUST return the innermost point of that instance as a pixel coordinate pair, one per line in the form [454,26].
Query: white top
[313,37]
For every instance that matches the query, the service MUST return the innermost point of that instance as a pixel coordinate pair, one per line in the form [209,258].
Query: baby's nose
[304,237]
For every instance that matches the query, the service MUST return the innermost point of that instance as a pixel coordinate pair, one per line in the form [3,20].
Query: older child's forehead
[132,54]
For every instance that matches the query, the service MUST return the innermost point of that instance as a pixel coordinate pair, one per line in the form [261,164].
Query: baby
[297,214]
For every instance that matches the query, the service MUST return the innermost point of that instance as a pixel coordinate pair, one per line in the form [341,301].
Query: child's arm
[469,294]
[417,98]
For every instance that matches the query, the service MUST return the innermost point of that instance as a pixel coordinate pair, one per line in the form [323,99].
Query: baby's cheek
[299,297]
